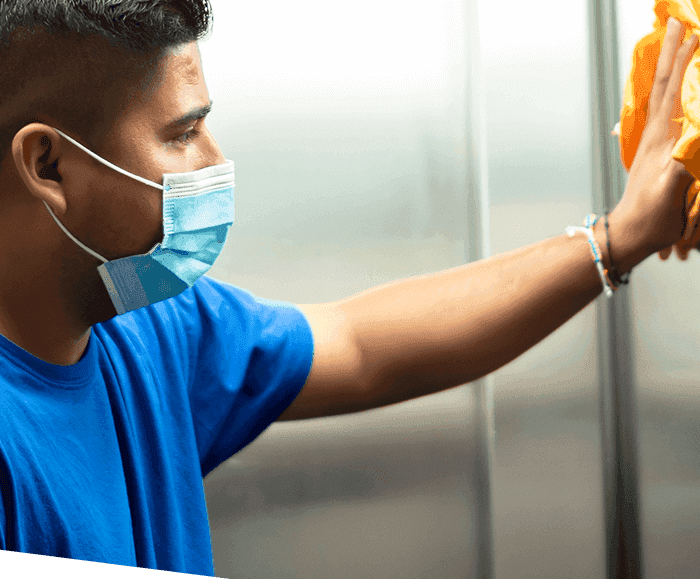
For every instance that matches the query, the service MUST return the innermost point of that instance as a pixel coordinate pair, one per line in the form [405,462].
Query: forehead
[176,87]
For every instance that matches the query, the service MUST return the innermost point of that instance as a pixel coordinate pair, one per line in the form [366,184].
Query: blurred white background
[346,123]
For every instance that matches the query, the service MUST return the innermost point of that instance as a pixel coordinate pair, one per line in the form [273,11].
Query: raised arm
[425,334]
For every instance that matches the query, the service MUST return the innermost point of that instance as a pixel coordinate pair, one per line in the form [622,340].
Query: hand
[652,213]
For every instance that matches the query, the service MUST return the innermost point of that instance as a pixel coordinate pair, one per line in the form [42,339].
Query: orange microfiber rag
[636,100]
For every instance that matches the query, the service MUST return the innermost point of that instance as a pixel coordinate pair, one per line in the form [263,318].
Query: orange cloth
[636,101]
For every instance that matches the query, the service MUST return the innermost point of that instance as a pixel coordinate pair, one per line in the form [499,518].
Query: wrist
[619,245]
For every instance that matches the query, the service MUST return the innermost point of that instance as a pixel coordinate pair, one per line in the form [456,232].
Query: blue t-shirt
[103,460]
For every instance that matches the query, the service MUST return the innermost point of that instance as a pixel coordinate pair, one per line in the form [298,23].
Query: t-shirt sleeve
[247,359]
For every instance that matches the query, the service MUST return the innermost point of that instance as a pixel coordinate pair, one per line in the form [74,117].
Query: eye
[188,136]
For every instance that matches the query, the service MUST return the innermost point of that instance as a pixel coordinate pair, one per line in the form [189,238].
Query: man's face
[163,131]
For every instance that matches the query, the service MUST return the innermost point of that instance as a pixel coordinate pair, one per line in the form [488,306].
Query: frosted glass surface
[667,341]
[346,125]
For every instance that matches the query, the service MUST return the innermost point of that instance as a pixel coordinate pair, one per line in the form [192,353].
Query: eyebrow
[193,115]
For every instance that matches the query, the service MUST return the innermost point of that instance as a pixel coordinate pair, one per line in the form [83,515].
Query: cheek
[124,219]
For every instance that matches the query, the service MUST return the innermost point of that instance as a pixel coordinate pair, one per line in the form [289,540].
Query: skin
[430,333]
[388,344]
[51,293]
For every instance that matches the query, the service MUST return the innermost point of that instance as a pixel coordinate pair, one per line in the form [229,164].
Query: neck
[49,309]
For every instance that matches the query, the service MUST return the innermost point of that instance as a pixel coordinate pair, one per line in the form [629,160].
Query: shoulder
[206,299]
[213,309]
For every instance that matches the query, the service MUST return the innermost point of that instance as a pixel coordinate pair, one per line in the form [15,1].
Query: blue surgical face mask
[197,214]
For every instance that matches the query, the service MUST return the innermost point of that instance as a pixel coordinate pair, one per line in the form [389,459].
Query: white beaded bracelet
[572,230]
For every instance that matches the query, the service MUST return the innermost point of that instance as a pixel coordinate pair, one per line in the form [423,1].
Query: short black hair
[79,62]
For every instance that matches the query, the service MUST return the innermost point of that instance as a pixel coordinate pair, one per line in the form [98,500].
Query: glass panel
[346,125]
[666,345]
[547,470]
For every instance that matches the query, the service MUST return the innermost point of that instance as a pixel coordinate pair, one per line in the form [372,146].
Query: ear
[35,149]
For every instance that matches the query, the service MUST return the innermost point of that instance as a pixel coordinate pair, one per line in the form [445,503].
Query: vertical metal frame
[477,242]
[623,553]
[618,409]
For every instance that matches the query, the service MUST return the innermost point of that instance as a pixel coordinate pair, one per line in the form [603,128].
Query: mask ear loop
[72,237]
[108,164]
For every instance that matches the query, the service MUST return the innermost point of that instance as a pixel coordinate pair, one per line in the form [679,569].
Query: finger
[681,253]
[692,237]
[695,238]
[664,254]
[664,66]
[691,228]
[671,106]
[693,216]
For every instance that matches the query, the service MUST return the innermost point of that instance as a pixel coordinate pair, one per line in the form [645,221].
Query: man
[126,377]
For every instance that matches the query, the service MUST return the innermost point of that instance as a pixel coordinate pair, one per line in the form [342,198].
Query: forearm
[426,334]
[429,333]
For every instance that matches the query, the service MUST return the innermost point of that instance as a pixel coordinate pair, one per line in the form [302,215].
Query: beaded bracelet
[618,279]
[592,220]
[588,231]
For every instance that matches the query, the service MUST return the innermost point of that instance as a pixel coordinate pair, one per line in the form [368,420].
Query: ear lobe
[35,152]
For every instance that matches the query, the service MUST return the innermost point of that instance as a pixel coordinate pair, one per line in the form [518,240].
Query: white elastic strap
[72,237]
[108,164]
[572,230]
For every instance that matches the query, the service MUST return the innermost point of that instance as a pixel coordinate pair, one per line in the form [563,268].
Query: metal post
[617,394]
[478,247]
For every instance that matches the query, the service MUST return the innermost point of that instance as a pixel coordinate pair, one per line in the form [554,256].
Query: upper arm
[336,383]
